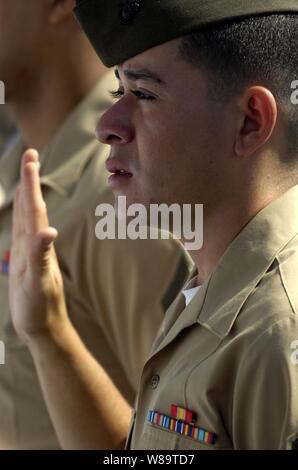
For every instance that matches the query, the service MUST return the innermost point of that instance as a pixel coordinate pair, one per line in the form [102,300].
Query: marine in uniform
[222,373]
[98,286]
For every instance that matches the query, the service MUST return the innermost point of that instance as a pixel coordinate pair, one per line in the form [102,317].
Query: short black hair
[259,50]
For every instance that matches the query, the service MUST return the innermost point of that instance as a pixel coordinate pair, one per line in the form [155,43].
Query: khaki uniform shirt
[116,291]
[231,356]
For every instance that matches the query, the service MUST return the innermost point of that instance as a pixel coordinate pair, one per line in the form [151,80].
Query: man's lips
[120,173]
[117,168]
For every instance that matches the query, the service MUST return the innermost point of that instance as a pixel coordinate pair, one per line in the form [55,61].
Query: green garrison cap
[121,29]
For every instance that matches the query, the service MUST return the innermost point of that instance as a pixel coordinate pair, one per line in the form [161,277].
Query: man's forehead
[119,30]
[156,63]
[138,73]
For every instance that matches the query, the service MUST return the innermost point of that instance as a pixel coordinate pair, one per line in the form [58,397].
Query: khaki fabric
[117,291]
[230,355]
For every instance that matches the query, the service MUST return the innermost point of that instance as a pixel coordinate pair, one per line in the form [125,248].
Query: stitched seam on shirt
[193,369]
[188,378]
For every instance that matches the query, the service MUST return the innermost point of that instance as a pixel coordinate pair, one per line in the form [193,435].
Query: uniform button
[155,381]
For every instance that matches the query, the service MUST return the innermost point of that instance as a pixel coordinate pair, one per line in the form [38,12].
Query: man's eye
[143,96]
[139,94]
[116,94]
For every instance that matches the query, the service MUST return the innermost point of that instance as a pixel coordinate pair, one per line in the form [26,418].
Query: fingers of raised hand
[32,209]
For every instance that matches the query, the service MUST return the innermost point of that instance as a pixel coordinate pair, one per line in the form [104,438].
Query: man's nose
[114,128]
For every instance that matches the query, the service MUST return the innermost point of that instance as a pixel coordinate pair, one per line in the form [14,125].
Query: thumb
[42,249]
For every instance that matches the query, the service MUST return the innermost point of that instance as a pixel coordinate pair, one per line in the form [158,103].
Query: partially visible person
[116,291]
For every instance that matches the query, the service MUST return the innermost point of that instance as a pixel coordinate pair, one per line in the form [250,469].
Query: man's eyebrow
[141,74]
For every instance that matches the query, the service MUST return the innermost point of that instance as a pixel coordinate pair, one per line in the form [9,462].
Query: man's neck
[41,110]
[222,227]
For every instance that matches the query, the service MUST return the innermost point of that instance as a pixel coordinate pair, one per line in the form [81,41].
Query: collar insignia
[129,10]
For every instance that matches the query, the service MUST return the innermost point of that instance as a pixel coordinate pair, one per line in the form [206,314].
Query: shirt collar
[245,262]
[219,300]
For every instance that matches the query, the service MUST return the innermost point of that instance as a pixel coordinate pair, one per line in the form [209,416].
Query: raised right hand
[35,283]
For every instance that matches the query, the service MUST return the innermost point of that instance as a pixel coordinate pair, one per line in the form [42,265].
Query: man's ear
[60,10]
[258,109]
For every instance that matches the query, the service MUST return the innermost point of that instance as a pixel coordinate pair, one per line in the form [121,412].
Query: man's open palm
[35,282]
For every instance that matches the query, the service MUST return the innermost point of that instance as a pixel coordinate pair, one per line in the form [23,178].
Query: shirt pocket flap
[157,438]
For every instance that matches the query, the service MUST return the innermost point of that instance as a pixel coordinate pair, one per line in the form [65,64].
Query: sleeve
[265,405]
